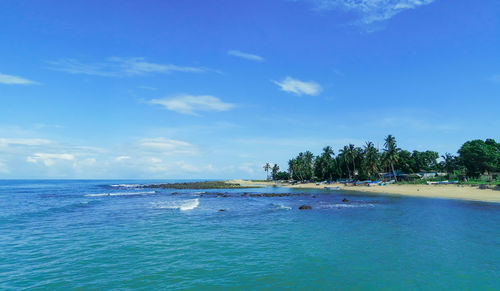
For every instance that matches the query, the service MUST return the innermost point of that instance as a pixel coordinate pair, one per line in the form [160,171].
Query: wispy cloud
[122,158]
[371,11]
[119,67]
[299,87]
[189,104]
[15,80]
[244,55]
[168,146]
[49,159]
[23,142]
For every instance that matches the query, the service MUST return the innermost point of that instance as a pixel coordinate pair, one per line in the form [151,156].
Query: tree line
[474,158]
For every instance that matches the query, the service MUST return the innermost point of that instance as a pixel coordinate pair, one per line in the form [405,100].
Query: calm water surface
[102,235]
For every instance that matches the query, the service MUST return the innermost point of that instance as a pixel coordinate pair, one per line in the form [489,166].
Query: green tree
[282,176]
[424,161]
[371,160]
[391,153]
[324,165]
[480,156]
[404,162]
[267,167]
[344,156]
[450,163]
[274,171]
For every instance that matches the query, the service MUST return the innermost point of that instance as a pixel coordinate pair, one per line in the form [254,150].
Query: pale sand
[431,191]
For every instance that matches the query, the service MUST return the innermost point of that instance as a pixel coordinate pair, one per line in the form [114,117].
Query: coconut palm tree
[353,155]
[267,167]
[274,171]
[344,153]
[371,160]
[391,154]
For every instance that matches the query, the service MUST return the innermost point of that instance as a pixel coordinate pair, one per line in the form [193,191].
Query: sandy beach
[462,192]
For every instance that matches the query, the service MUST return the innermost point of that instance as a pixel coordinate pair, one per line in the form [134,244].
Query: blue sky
[215,89]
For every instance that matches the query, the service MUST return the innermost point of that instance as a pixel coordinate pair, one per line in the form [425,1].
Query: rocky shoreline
[199,185]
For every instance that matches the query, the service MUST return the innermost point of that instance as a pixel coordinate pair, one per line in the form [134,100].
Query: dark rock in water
[199,185]
[305,207]
[222,210]
[345,200]
[277,194]
[314,196]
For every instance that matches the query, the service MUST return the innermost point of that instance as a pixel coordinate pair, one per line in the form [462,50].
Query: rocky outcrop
[305,207]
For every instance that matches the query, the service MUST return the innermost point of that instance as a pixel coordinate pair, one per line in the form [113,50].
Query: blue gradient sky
[214,89]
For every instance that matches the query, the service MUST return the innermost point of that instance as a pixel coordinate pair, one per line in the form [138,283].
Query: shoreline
[457,192]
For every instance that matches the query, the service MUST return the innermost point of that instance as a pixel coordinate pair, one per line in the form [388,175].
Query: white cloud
[244,55]
[122,158]
[189,104]
[49,159]
[168,146]
[119,67]
[298,87]
[23,142]
[15,80]
[371,11]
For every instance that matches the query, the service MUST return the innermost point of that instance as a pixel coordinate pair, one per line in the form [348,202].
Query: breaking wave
[120,194]
[181,205]
[126,185]
[281,207]
[346,205]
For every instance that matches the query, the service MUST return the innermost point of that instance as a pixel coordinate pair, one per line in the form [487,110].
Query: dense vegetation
[474,159]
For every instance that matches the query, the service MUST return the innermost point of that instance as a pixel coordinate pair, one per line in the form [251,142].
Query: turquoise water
[62,235]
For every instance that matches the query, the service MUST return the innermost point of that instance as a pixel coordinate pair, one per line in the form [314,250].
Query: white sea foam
[282,207]
[183,205]
[126,185]
[120,194]
[345,205]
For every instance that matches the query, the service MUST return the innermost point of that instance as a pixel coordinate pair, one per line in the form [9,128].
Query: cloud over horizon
[190,104]
[299,87]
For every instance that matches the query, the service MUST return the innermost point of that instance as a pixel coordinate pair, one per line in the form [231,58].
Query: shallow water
[92,235]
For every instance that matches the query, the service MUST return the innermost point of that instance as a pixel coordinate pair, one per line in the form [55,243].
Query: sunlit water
[92,235]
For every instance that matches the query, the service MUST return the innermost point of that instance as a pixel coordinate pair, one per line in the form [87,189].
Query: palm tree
[391,153]
[274,171]
[291,168]
[326,163]
[267,167]
[353,153]
[371,160]
[345,157]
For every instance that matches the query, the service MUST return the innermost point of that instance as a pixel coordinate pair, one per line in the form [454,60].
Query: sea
[118,235]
